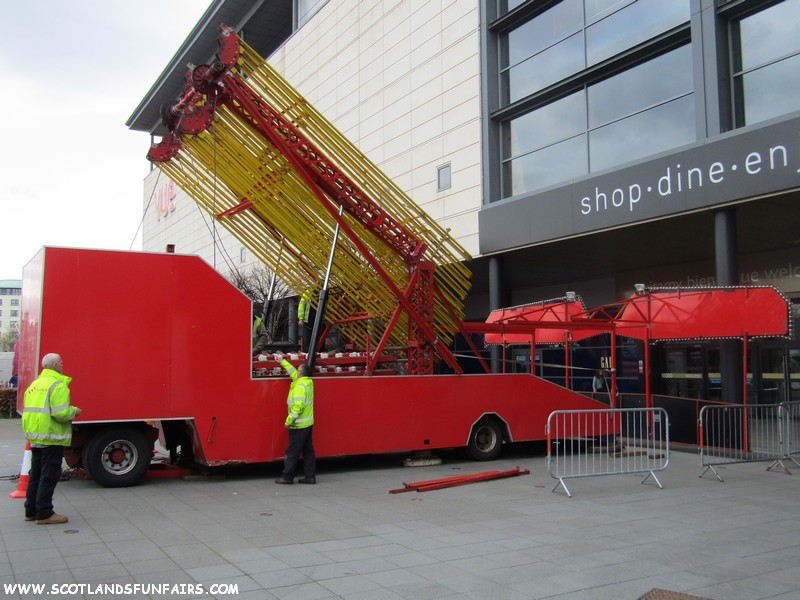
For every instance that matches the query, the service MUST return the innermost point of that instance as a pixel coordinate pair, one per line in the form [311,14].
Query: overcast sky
[72,73]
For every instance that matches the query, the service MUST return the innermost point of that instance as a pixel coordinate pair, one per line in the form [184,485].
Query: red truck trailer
[160,344]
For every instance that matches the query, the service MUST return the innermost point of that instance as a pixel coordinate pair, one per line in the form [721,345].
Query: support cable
[146,208]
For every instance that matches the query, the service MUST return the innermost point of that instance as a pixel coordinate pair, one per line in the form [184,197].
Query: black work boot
[311,480]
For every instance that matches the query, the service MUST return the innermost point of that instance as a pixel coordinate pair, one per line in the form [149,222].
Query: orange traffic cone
[22,485]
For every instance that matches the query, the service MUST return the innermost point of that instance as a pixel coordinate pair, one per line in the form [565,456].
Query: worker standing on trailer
[47,423]
[300,423]
[260,336]
[305,317]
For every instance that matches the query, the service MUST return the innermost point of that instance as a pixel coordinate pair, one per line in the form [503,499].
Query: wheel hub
[119,457]
[116,456]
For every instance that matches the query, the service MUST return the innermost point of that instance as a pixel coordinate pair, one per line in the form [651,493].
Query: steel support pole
[319,318]
[496,301]
[727,271]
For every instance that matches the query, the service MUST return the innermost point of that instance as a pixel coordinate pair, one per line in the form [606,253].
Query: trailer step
[165,471]
[422,459]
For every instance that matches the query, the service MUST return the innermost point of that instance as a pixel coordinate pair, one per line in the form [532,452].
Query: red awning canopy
[705,313]
[681,313]
[543,318]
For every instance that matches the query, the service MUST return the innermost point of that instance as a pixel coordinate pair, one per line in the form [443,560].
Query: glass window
[547,67]
[556,121]
[770,91]
[545,167]
[640,112]
[596,9]
[14,313]
[544,50]
[541,32]
[655,130]
[545,146]
[641,87]
[768,35]
[632,25]
[14,302]
[631,115]
[443,181]
[505,6]
[766,61]
[307,9]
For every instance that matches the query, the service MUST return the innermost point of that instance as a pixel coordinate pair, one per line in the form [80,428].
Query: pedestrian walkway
[348,537]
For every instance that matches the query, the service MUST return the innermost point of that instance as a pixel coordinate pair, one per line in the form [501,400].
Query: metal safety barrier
[591,443]
[740,433]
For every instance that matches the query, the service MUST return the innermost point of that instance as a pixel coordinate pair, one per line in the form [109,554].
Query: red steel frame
[332,188]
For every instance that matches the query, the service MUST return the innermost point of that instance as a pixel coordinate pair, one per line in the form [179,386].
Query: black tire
[117,457]
[485,439]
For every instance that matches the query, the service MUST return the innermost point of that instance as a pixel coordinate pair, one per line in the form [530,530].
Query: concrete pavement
[348,537]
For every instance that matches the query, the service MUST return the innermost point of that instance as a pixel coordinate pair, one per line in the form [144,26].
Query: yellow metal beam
[230,163]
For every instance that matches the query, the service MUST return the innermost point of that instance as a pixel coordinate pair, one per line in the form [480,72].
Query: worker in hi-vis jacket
[47,423]
[300,423]
[305,318]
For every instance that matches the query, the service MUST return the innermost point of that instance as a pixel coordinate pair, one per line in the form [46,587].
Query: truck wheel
[117,457]
[485,440]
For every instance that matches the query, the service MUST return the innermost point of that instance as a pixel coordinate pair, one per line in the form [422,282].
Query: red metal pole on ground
[438,484]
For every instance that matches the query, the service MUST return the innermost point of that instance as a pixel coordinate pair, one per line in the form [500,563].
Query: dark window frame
[729,14]
[501,115]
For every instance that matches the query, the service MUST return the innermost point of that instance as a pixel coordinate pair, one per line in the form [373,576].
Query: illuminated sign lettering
[165,200]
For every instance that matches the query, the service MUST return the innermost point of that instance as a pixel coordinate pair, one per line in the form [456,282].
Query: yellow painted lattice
[288,228]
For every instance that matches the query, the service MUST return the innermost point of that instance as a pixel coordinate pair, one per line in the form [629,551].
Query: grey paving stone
[281,578]
[190,556]
[33,561]
[213,573]
[154,565]
[136,550]
[351,584]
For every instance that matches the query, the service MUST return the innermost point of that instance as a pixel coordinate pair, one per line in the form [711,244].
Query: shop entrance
[692,371]
[779,373]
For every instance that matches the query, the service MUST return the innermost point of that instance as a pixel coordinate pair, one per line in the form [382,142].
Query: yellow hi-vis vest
[300,400]
[304,307]
[256,330]
[47,414]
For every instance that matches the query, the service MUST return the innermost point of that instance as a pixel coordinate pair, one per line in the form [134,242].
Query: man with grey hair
[300,423]
[47,422]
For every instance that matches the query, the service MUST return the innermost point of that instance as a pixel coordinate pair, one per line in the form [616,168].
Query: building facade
[645,142]
[10,295]
[582,145]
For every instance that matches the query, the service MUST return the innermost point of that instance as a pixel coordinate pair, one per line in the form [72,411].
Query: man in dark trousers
[300,423]
[47,423]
